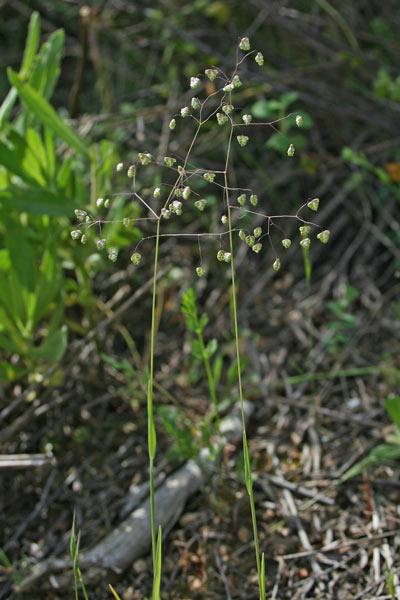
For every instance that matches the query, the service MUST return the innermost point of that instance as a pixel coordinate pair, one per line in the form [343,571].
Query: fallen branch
[132,538]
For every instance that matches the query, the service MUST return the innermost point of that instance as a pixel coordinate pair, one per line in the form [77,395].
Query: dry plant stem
[235,321]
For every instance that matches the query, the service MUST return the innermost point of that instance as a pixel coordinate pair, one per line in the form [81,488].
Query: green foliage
[74,551]
[390,583]
[386,86]
[275,109]
[189,310]
[41,183]
[182,430]
[200,351]
[344,322]
[392,406]
[383,452]
[7,566]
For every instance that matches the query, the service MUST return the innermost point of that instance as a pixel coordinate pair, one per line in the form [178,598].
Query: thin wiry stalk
[249,484]
[151,428]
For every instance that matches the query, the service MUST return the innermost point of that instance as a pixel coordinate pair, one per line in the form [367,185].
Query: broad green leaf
[31,46]
[46,114]
[49,283]
[8,345]
[50,152]
[12,161]
[21,253]
[19,300]
[36,201]
[32,43]
[27,156]
[5,262]
[392,405]
[36,145]
[202,322]
[7,322]
[47,66]
[13,304]
[64,174]
[211,347]
[7,105]
[53,347]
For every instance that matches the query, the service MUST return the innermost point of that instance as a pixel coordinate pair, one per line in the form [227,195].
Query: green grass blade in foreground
[74,550]
[73,547]
[262,578]
[157,571]
[31,46]
[46,113]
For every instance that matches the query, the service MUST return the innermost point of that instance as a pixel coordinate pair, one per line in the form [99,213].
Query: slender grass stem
[151,427]
[249,483]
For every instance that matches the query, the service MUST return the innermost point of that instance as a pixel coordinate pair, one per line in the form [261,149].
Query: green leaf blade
[46,114]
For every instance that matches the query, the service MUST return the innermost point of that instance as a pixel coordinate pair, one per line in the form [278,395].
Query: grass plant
[183,182]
